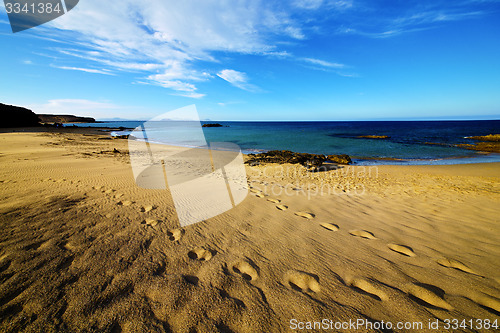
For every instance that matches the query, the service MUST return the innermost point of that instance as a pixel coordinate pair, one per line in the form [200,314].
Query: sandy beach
[84,249]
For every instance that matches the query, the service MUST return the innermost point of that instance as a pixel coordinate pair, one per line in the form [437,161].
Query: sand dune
[82,248]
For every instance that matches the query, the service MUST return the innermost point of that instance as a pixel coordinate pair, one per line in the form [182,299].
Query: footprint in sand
[305,215]
[302,281]
[273,200]
[368,287]
[146,209]
[118,195]
[362,233]
[200,254]
[429,295]
[246,270]
[125,203]
[259,195]
[109,191]
[402,249]
[282,207]
[70,246]
[150,222]
[487,301]
[175,234]
[330,226]
[96,187]
[451,263]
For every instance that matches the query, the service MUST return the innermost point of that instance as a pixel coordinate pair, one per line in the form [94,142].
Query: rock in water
[340,159]
[211,125]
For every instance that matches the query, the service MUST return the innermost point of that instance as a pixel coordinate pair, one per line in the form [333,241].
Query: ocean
[407,142]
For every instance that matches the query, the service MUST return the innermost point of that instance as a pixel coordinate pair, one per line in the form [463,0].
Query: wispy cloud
[323,63]
[316,4]
[412,19]
[74,106]
[328,66]
[223,104]
[428,18]
[237,79]
[87,70]
[170,38]
[178,44]
[92,108]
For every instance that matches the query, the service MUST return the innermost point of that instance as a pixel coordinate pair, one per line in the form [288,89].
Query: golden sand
[82,248]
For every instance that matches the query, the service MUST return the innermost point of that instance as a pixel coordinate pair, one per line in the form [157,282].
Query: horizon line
[323,120]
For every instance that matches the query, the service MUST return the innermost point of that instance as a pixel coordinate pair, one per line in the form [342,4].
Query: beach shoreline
[83,248]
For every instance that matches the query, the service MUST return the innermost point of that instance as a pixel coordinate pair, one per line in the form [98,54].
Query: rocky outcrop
[16,116]
[310,161]
[489,137]
[487,143]
[373,137]
[340,159]
[64,118]
[212,125]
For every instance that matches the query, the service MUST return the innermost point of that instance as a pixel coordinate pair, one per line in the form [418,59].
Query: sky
[259,60]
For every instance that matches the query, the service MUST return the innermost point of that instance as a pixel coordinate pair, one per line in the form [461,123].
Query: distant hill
[16,116]
[64,118]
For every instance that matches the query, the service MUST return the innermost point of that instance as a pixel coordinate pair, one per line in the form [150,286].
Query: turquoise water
[407,138]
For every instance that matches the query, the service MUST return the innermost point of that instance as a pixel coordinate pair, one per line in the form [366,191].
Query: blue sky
[260,60]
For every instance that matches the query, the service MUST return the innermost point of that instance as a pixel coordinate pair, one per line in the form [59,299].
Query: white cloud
[223,104]
[237,79]
[168,38]
[191,95]
[424,17]
[87,70]
[323,63]
[316,4]
[308,4]
[433,16]
[232,76]
[174,44]
[90,108]
[76,107]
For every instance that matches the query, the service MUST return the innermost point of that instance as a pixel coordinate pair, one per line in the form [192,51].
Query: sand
[82,248]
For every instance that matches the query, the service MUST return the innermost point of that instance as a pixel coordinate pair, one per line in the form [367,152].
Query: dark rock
[490,147]
[211,125]
[15,116]
[373,137]
[489,137]
[487,143]
[64,118]
[310,161]
[340,159]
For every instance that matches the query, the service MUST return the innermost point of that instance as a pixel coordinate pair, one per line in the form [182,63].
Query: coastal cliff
[64,118]
[16,116]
